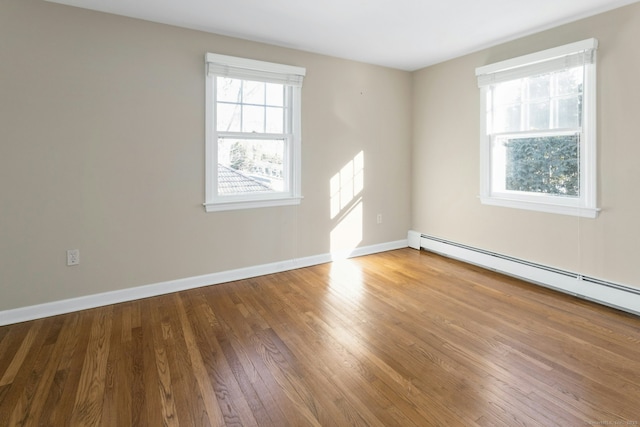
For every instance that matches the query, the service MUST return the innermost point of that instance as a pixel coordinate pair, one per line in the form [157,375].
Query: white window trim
[586,204]
[249,69]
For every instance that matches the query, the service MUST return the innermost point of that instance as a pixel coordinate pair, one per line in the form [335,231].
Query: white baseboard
[615,295]
[54,308]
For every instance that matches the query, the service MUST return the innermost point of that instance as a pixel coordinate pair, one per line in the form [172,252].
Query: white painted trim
[54,308]
[250,204]
[614,295]
[540,207]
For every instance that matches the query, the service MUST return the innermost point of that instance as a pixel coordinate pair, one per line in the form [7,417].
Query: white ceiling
[403,34]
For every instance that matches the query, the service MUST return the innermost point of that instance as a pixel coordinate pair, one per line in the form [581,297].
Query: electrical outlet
[379,219]
[73,257]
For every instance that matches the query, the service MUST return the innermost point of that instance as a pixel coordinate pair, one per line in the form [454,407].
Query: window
[252,133]
[538,147]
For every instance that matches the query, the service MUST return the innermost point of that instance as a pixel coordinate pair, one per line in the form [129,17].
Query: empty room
[291,213]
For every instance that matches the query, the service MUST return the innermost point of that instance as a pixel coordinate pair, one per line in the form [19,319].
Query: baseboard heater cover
[614,295]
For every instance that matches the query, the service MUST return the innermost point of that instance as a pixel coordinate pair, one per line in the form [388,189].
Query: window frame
[253,70]
[585,205]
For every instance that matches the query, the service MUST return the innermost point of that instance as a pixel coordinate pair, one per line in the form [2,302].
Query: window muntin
[253,133]
[249,106]
[538,131]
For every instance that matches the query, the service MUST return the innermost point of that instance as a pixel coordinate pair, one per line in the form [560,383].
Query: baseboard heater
[615,295]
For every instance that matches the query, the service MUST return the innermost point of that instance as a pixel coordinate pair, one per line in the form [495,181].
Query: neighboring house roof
[231,181]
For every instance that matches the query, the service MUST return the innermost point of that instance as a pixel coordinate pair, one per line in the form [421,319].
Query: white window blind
[564,57]
[248,69]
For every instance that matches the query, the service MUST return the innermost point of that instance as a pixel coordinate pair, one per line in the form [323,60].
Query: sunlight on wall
[347,234]
[347,184]
[346,207]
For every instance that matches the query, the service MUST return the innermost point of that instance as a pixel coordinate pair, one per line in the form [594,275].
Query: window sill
[250,204]
[541,207]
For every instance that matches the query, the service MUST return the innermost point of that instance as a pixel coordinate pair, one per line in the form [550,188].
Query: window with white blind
[253,115]
[538,137]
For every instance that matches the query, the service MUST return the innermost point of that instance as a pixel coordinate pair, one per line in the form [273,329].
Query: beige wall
[102,143]
[445,155]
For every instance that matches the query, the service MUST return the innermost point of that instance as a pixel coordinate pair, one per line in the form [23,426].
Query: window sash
[286,107]
[287,166]
[286,136]
[499,162]
[554,102]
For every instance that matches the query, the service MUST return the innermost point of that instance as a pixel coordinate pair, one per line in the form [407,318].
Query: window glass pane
[252,119]
[229,90]
[275,95]
[250,166]
[569,81]
[539,116]
[547,165]
[569,112]
[253,92]
[539,87]
[507,119]
[275,120]
[508,93]
[228,117]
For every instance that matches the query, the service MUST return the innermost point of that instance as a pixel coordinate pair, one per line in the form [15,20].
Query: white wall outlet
[73,257]
[379,219]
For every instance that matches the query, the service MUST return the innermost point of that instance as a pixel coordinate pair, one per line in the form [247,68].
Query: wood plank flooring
[402,338]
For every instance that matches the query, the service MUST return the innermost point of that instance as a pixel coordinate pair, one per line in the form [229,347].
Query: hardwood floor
[402,338]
